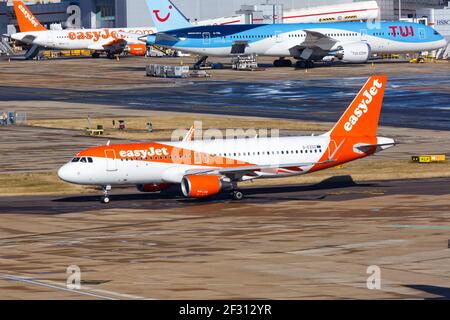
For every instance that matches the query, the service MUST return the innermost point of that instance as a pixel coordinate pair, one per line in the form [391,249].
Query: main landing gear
[282,62]
[304,64]
[237,195]
[105,198]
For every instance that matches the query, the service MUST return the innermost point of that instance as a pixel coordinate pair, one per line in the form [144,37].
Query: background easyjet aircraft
[204,168]
[109,40]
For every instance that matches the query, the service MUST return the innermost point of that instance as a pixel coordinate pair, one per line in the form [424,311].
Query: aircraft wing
[28,39]
[116,44]
[316,44]
[233,172]
[243,170]
[317,40]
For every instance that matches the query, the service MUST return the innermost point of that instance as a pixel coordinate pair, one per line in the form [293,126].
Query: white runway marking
[336,249]
[82,291]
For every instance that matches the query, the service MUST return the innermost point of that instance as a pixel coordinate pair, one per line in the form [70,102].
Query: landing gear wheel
[300,64]
[105,200]
[237,195]
[110,55]
[309,64]
[282,63]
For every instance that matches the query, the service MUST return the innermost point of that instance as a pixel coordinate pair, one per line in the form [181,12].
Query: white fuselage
[139,164]
[76,39]
[282,44]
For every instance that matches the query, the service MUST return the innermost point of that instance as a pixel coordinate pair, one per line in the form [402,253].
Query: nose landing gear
[105,198]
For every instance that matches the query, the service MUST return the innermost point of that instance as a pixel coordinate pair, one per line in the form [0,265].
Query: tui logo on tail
[166,16]
[156,12]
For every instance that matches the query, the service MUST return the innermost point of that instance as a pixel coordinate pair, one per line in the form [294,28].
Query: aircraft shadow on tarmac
[273,193]
[316,65]
[442,293]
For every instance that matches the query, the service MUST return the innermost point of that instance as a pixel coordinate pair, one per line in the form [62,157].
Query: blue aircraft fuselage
[312,40]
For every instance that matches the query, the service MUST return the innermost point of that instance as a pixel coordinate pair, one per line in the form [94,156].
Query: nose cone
[67,174]
[149,39]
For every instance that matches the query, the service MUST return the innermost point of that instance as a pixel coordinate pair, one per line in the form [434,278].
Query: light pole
[399,10]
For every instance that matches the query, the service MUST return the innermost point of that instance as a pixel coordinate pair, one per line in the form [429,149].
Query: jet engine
[137,49]
[355,52]
[153,187]
[202,186]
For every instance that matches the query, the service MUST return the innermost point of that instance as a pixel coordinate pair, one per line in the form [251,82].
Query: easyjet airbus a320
[109,40]
[205,168]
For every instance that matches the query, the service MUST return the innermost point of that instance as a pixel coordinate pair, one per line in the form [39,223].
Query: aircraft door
[49,38]
[206,38]
[111,162]
[422,34]
[363,34]
[278,37]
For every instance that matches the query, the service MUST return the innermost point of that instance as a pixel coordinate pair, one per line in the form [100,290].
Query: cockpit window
[83,160]
[436,33]
[75,159]
[90,160]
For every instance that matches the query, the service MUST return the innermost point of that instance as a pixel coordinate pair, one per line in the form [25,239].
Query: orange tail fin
[361,117]
[25,18]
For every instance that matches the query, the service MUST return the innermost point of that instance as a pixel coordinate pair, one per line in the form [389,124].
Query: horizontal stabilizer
[381,146]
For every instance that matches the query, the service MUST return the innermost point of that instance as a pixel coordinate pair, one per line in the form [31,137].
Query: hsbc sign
[443,22]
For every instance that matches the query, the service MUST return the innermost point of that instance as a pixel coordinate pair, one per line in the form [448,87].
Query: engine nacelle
[138,49]
[202,186]
[355,52]
[153,187]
